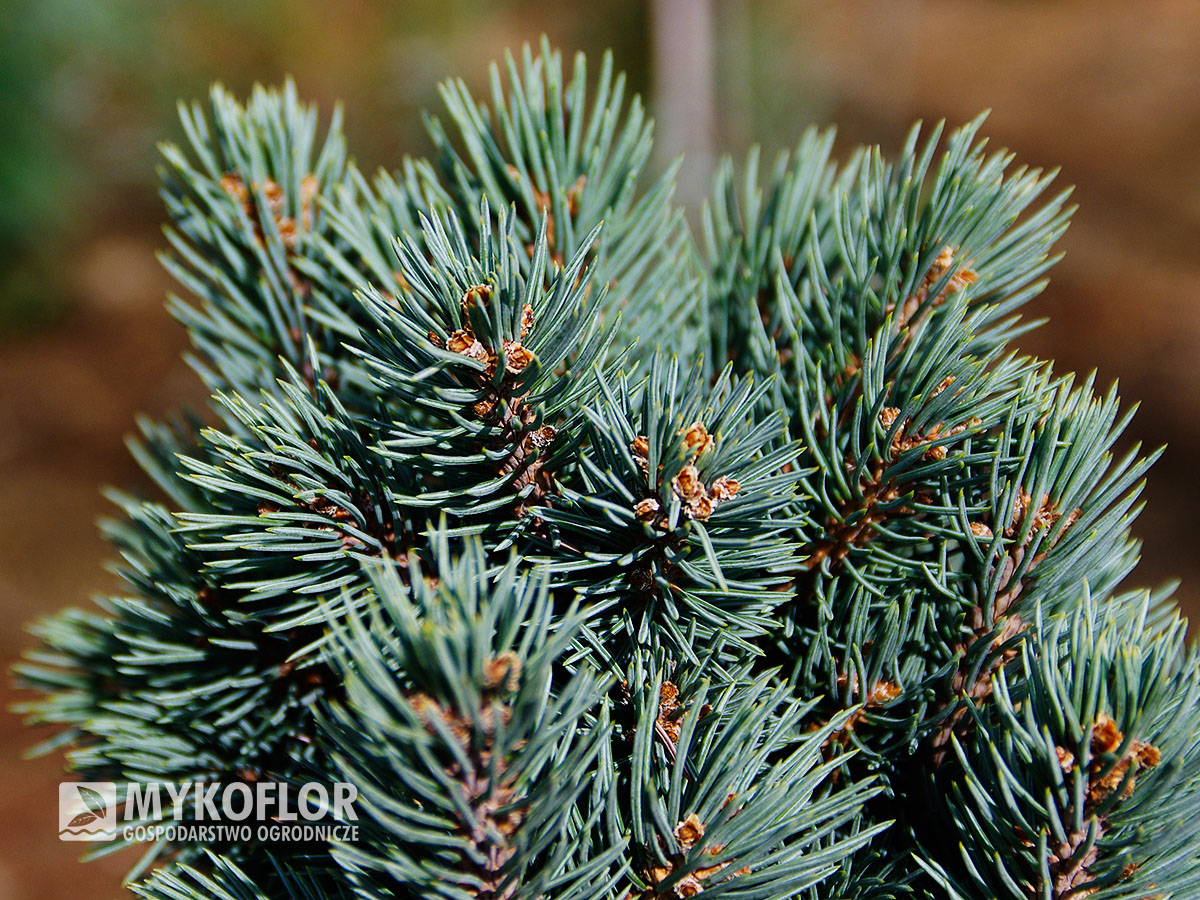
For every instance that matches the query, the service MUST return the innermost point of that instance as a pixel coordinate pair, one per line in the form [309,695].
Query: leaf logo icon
[94,802]
[87,811]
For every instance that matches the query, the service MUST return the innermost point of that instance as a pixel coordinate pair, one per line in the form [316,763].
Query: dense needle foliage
[609,561]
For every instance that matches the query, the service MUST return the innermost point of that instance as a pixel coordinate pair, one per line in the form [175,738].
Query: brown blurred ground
[1108,90]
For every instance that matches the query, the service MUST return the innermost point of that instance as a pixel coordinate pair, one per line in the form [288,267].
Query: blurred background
[1108,90]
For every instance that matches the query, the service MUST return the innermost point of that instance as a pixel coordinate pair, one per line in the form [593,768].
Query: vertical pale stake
[684,65]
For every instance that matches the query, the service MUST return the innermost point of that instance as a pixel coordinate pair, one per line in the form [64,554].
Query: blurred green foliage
[80,86]
[87,88]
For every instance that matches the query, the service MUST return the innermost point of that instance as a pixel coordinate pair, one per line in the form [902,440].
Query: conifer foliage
[612,562]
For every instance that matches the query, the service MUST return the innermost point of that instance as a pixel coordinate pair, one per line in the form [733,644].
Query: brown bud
[668,698]
[461,340]
[689,831]
[1066,759]
[1106,736]
[1147,754]
[464,343]
[641,579]
[502,670]
[658,874]
[884,692]
[724,488]
[697,439]
[310,186]
[233,185]
[687,483]
[475,294]
[544,436]
[516,357]
[700,508]
[273,194]
[962,278]
[645,510]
